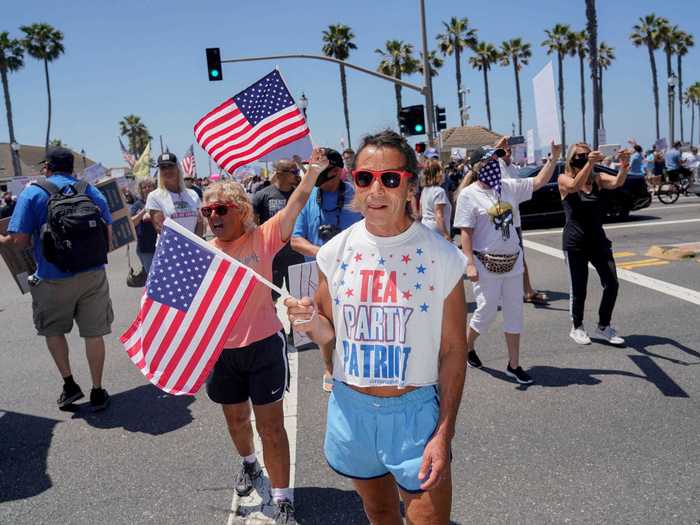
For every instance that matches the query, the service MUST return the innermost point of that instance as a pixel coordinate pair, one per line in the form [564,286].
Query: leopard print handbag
[497,263]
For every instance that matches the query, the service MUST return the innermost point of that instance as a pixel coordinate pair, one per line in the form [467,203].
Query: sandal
[539,298]
[327,383]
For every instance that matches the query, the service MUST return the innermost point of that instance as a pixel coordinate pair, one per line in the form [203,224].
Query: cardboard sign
[303,281]
[123,231]
[20,262]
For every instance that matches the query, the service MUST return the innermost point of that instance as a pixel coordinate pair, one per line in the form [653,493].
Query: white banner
[548,129]
[303,281]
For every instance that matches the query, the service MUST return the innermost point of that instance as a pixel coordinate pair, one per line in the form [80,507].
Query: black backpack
[74,237]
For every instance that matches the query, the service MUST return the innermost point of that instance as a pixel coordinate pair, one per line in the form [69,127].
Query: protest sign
[546,107]
[530,146]
[609,150]
[303,281]
[16,185]
[123,231]
[20,262]
[458,153]
[94,173]
[518,153]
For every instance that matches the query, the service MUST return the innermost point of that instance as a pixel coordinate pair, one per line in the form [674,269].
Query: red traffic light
[420,147]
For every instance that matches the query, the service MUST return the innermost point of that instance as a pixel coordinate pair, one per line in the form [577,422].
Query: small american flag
[194,296]
[259,119]
[189,164]
[128,157]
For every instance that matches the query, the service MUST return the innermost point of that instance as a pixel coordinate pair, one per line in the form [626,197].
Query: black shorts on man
[259,372]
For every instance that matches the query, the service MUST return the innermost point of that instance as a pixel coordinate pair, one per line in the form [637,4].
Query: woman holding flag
[253,367]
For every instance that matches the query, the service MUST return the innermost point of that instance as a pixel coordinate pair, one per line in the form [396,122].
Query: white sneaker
[608,334]
[580,336]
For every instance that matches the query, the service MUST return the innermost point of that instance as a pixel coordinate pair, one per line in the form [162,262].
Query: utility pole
[427,77]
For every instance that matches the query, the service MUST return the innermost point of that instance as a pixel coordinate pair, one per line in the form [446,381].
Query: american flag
[194,296]
[259,119]
[128,157]
[490,174]
[189,164]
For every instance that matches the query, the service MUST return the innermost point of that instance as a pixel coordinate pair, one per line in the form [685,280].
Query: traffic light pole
[427,78]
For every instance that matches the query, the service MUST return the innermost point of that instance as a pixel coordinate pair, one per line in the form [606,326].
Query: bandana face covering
[490,174]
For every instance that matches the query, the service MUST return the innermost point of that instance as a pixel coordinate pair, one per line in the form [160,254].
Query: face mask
[490,174]
[579,162]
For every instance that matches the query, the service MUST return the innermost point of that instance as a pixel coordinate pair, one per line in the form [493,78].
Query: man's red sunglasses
[389,178]
[219,208]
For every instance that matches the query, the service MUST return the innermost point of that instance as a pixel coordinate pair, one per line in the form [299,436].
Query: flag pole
[169,223]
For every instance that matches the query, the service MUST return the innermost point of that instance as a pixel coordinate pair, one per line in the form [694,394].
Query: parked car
[546,202]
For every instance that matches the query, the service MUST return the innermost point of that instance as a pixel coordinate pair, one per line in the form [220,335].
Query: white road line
[617,226]
[671,207]
[679,292]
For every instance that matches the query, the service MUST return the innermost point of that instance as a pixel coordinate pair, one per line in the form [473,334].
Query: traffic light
[420,147]
[440,118]
[214,64]
[412,120]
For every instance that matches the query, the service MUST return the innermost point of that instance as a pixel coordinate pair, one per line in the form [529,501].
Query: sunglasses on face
[389,178]
[219,208]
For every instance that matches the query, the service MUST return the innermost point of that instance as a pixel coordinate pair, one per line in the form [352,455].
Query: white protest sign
[458,153]
[17,184]
[609,150]
[94,173]
[518,153]
[546,107]
[530,146]
[303,281]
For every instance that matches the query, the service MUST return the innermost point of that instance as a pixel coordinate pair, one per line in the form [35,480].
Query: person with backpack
[69,224]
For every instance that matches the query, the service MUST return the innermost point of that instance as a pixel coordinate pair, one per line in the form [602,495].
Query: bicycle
[667,191]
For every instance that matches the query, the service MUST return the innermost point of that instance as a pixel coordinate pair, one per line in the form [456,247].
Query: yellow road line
[643,263]
[623,254]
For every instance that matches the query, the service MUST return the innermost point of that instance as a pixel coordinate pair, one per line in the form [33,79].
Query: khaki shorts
[83,297]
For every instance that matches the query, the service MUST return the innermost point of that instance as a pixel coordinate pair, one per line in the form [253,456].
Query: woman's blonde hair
[568,168]
[433,174]
[228,191]
[142,183]
[180,180]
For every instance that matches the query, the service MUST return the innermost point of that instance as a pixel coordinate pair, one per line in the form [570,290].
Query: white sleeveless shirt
[387,295]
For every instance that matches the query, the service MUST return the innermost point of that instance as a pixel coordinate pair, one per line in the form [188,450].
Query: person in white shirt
[391,296]
[435,206]
[489,240]
[173,199]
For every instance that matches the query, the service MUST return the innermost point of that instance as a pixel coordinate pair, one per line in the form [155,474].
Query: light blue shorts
[369,437]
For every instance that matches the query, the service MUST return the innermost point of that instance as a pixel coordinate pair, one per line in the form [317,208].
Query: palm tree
[11,60]
[668,36]
[44,43]
[559,41]
[397,60]
[456,37]
[692,99]
[434,63]
[518,53]
[137,133]
[683,43]
[592,33]
[337,44]
[579,43]
[485,55]
[606,55]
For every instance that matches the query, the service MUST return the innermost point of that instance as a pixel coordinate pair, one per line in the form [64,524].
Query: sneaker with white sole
[520,375]
[608,334]
[580,336]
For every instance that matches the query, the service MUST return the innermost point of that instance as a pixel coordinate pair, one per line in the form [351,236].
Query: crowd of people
[394,237]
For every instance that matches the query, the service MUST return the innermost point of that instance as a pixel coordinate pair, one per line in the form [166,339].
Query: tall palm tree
[337,43]
[689,100]
[592,34]
[11,59]
[559,41]
[517,52]
[456,37]
[606,55]
[683,43]
[485,55]
[397,60]
[44,43]
[646,33]
[694,90]
[579,43]
[668,35]
[136,132]
[434,63]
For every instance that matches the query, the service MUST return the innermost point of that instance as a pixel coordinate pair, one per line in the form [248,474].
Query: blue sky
[147,58]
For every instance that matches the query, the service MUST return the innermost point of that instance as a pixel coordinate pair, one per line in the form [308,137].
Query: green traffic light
[418,128]
[214,73]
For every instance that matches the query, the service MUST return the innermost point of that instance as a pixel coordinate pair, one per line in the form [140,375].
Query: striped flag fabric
[194,296]
[128,157]
[259,119]
[188,163]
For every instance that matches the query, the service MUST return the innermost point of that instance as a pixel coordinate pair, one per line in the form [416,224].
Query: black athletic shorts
[259,372]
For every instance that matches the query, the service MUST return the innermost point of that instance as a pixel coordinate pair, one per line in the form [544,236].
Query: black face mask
[579,161]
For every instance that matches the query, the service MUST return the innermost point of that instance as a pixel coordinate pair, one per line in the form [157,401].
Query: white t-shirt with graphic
[430,197]
[493,221]
[387,295]
[181,207]
[511,172]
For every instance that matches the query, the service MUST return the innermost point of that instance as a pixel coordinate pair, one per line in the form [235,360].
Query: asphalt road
[607,435]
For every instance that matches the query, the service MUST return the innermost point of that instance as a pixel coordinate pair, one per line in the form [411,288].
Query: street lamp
[15,147]
[303,104]
[672,81]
